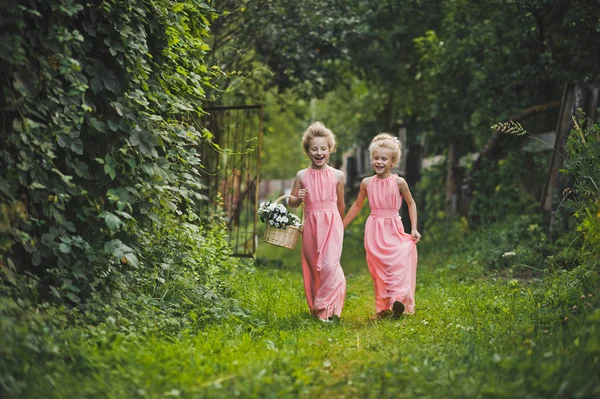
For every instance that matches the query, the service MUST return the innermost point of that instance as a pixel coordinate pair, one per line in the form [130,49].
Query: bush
[507,187]
[583,148]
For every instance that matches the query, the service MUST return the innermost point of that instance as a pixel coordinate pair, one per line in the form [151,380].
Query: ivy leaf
[62,141]
[77,146]
[144,141]
[124,214]
[81,169]
[109,81]
[98,125]
[117,107]
[4,188]
[73,297]
[110,171]
[55,291]
[132,259]
[109,166]
[95,85]
[119,250]
[112,221]
[69,226]
[64,247]
[114,126]
[89,27]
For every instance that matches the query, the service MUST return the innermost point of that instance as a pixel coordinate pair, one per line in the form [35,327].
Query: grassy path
[472,336]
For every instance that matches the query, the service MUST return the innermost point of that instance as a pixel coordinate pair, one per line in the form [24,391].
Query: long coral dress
[322,238]
[391,253]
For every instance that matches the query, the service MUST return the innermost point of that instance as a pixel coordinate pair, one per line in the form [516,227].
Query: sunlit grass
[473,335]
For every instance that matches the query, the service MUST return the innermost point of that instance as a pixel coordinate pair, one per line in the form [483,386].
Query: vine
[92,142]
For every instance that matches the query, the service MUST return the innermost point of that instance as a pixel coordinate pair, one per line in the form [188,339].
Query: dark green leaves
[91,145]
[120,251]
[110,165]
[145,142]
[113,222]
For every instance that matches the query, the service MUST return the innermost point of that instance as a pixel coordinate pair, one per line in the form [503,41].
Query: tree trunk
[452,179]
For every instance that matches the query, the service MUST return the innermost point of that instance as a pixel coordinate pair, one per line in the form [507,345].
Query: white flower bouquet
[283,227]
[277,215]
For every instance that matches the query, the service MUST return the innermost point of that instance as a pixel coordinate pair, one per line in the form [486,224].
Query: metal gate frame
[231,173]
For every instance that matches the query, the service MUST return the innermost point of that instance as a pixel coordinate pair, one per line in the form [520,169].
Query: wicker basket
[283,237]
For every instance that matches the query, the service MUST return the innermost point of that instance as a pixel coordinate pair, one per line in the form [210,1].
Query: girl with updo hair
[321,188]
[391,253]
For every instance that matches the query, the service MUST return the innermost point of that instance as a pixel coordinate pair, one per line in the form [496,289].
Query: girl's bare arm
[341,182]
[298,193]
[358,204]
[412,208]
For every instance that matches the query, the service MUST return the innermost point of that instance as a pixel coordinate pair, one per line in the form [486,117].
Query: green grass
[474,334]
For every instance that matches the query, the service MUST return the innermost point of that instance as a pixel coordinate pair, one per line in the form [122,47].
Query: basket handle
[290,196]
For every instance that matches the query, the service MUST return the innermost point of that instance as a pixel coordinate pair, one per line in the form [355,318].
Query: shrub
[583,149]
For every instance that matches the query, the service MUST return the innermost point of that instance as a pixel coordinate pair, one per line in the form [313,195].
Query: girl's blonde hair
[385,140]
[318,129]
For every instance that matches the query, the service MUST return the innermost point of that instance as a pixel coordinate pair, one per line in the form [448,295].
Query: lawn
[475,333]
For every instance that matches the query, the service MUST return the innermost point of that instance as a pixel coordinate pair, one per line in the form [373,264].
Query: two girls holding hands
[391,253]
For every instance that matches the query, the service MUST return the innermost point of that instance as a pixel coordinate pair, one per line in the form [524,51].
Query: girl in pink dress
[391,253]
[321,189]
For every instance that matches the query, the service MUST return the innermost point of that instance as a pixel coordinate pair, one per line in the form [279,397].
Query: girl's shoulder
[337,173]
[401,181]
[301,173]
[365,182]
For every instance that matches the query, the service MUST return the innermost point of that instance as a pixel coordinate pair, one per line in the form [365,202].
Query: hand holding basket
[283,236]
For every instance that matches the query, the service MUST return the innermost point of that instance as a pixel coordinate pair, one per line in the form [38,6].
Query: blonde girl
[321,188]
[391,253]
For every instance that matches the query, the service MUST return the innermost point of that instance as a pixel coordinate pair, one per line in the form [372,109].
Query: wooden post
[563,126]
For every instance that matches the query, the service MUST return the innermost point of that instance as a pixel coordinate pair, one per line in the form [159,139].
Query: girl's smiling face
[381,159]
[318,152]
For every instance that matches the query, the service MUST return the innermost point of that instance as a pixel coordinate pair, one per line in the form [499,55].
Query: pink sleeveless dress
[391,253]
[322,238]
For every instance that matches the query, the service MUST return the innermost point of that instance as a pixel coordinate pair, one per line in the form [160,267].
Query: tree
[503,59]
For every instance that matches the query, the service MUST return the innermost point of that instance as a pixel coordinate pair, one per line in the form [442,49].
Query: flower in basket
[277,215]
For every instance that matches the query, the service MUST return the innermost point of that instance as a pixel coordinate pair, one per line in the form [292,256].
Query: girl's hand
[416,236]
[302,194]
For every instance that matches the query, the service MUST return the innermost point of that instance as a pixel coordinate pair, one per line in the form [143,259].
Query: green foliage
[353,109]
[186,289]
[509,186]
[285,120]
[488,60]
[445,69]
[301,43]
[474,334]
[430,194]
[92,141]
[583,152]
